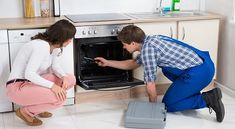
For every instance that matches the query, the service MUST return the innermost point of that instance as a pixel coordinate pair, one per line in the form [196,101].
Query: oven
[100,41]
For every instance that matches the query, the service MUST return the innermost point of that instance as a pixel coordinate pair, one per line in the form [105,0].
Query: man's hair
[57,33]
[131,33]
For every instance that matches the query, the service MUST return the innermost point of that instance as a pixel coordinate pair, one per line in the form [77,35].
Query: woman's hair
[131,33]
[57,33]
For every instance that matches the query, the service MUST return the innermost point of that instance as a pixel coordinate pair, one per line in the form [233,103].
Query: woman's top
[33,60]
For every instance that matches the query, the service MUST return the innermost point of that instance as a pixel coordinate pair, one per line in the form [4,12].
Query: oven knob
[113,31]
[95,32]
[89,32]
[117,32]
[84,32]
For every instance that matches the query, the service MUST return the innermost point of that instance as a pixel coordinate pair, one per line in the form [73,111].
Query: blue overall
[184,92]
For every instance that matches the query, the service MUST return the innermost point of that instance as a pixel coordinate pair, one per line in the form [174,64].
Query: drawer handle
[171,30]
[183,34]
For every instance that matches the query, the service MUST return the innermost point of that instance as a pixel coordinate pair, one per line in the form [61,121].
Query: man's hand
[101,61]
[152,92]
[59,92]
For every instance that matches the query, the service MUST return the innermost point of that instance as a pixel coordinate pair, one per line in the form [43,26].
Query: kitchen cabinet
[5,104]
[163,28]
[19,37]
[202,34]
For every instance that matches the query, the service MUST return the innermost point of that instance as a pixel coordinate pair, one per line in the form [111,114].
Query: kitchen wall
[13,8]
[109,6]
[226,60]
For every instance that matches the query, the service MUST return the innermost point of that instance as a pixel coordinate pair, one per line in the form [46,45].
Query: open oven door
[109,83]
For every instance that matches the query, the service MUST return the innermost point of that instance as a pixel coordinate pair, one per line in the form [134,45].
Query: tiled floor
[110,115]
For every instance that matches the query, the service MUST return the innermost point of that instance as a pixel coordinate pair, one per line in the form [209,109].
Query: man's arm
[125,64]
[152,92]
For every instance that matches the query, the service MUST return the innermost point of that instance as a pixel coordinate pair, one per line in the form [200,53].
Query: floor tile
[1,122]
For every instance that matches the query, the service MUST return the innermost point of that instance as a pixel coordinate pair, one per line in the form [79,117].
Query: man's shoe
[35,122]
[45,115]
[213,100]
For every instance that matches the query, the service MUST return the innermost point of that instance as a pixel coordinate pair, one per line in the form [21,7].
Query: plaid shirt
[159,52]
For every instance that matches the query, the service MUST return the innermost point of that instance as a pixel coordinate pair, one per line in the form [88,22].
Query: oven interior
[92,76]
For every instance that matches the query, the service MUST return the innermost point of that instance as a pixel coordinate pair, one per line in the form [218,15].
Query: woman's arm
[39,52]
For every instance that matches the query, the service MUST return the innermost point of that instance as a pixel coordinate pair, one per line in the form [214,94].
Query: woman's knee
[72,80]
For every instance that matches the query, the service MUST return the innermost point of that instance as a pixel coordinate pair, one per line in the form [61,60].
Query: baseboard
[225,89]
[140,91]
[91,96]
[136,92]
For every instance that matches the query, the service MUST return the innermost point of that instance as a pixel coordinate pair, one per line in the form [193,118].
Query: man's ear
[133,43]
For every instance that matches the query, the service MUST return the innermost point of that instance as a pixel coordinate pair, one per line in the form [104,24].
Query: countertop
[27,23]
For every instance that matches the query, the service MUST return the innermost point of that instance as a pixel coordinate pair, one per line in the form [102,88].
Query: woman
[30,84]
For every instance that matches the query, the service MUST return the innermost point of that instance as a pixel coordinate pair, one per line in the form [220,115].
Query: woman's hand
[59,92]
[101,61]
[65,83]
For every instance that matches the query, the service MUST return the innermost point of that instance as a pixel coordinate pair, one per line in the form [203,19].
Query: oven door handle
[108,89]
[115,89]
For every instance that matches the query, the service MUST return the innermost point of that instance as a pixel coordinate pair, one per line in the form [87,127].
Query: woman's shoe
[45,115]
[35,122]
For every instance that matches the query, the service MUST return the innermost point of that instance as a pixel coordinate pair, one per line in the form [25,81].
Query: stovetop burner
[97,17]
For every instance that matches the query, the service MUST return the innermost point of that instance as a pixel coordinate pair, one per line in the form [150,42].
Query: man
[188,68]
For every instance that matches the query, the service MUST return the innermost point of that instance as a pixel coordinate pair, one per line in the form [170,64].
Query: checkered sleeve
[138,59]
[149,60]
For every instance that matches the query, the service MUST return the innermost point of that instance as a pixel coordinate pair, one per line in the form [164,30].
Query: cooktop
[97,17]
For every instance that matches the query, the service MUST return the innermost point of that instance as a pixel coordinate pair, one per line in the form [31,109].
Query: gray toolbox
[145,115]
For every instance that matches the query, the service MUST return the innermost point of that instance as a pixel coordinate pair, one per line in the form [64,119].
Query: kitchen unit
[100,41]
[166,25]
[5,104]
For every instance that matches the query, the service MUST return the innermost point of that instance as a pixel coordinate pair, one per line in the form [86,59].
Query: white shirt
[33,60]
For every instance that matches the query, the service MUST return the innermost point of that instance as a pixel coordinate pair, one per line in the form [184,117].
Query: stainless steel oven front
[100,41]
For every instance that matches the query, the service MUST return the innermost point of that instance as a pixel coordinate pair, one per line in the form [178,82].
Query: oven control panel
[98,31]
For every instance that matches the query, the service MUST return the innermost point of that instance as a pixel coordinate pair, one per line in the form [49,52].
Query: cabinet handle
[171,30]
[183,34]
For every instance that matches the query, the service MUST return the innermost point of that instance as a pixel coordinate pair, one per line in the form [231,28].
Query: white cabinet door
[156,28]
[162,28]
[202,34]
[67,63]
[5,104]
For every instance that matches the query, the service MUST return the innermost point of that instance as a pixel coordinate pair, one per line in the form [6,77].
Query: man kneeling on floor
[188,68]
